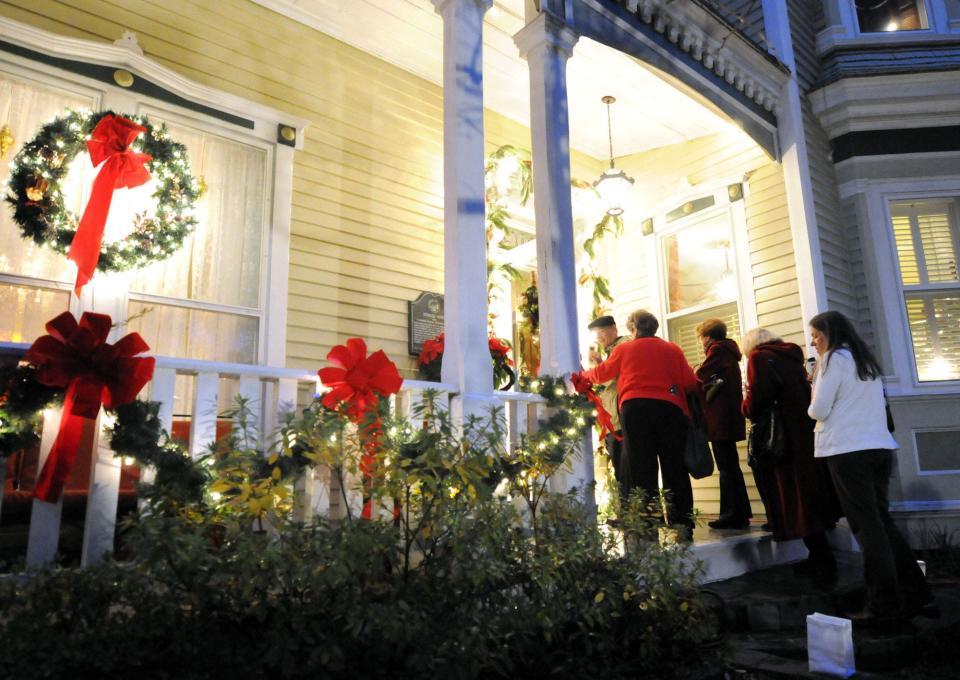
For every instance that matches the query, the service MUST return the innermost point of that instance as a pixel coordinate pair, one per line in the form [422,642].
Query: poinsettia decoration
[431,356]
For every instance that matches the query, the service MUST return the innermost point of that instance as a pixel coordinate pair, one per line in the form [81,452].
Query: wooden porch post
[466,356]
[546,42]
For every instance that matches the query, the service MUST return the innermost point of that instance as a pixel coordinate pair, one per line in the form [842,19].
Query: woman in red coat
[722,393]
[653,380]
[797,492]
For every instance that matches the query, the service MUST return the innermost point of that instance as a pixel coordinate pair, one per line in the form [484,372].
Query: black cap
[602,322]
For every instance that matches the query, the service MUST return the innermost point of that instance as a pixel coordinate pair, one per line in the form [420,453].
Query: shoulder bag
[696,456]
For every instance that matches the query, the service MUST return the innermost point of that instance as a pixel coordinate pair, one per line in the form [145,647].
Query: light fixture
[613,184]
[892,26]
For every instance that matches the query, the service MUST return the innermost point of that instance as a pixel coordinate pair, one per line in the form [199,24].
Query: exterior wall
[367,222]
[670,171]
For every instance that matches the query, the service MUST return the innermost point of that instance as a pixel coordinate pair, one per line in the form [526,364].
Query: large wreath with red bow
[130,151]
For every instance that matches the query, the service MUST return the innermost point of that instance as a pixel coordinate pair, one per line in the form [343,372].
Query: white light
[129,461]
[613,186]
[215,496]
[940,369]
[726,287]
[892,26]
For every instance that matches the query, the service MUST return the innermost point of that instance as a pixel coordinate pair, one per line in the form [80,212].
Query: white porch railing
[269,391]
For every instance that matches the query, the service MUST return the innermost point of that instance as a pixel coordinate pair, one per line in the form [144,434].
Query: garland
[41,166]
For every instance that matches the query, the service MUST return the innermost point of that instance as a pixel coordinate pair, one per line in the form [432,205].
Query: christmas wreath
[129,151]
[431,356]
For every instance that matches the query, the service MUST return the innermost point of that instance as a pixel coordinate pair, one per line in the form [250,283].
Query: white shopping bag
[830,645]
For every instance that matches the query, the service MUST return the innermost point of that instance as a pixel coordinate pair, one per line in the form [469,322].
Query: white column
[466,356]
[796,167]
[546,42]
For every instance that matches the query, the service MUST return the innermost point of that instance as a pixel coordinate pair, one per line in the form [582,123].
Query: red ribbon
[357,382]
[109,144]
[584,386]
[94,372]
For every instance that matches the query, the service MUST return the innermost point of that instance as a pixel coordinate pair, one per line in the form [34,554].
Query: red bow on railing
[94,373]
[109,144]
[584,386]
[358,381]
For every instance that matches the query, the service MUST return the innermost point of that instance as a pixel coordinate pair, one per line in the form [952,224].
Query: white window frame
[887,291]
[125,54]
[847,32]
[737,214]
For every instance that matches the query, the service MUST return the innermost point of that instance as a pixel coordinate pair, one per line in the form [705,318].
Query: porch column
[546,42]
[466,356]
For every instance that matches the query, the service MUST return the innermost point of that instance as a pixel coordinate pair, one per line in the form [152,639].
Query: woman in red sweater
[653,380]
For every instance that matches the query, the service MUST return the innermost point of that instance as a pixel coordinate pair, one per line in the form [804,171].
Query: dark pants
[734,504]
[889,567]
[654,437]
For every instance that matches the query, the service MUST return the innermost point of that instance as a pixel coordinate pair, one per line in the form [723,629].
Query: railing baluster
[44,535]
[163,389]
[203,429]
[101,518]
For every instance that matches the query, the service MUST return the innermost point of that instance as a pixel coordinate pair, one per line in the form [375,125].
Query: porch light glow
[892,26]
[613,184]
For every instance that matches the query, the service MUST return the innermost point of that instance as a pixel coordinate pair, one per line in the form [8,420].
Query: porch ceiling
[650,111]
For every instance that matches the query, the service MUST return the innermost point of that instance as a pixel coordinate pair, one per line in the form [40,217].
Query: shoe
[728,523]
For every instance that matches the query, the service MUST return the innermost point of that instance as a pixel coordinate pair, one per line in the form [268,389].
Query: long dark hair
[840,333]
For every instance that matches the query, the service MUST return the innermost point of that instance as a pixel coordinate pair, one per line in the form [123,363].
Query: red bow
[358,381]
[95,373]
[583,385]
[109,144]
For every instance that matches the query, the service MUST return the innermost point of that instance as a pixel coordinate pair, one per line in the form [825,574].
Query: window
[207,301]
[701,282]
[928,246]
[876,16]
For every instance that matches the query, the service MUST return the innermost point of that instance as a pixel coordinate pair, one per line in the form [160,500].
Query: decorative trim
[156,80]
[887,142]
[734,58]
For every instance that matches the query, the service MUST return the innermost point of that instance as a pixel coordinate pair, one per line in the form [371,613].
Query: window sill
[836,37]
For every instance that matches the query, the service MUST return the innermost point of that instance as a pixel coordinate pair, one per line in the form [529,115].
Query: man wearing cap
[605,331]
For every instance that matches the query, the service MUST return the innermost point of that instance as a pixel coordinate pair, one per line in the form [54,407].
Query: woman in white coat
[852,434]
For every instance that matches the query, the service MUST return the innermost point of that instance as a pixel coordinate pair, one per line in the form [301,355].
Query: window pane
[875,16]
[221,262]
[927,241]
[682,330]
[699,265]
[195,333]
[27,309]
[25,107]
[935,328]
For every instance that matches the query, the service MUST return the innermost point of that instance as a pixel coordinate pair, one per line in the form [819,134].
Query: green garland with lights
[36,194]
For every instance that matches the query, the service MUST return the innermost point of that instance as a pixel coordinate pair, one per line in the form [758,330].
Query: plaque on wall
[424,320]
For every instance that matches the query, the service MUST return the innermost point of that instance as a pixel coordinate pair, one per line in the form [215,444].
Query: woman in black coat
[721,391]
[797,492]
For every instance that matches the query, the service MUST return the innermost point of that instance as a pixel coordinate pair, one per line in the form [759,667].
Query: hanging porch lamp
[613,184]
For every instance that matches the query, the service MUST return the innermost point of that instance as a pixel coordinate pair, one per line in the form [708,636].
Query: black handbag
[696,456]
[767,442]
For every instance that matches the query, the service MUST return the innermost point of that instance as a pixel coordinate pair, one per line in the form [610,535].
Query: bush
[482,573]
